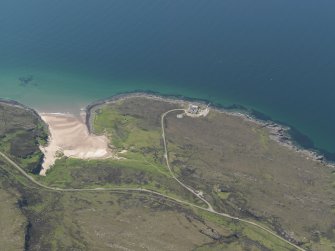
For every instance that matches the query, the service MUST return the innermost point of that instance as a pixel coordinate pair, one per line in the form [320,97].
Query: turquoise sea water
[277,57]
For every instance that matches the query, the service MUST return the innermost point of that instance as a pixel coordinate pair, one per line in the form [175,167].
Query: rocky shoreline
[91,108]
[14,103]
[278,133]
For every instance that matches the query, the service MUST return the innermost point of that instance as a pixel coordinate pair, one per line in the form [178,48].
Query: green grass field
[223,162]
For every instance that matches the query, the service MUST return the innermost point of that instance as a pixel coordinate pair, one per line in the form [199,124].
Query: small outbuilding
[193,109]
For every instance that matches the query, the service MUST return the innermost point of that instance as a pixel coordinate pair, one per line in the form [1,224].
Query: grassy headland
[234,162]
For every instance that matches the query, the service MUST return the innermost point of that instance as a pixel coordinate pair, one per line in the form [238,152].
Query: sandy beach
[70,137]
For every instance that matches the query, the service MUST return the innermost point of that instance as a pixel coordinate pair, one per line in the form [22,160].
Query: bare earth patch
[69,136]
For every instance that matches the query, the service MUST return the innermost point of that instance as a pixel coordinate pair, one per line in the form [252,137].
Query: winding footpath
[166,156]
[198,194]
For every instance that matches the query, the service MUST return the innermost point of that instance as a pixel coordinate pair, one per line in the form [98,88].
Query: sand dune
[69,136]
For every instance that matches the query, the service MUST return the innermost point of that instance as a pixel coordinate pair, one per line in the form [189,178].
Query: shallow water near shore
[267,55]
